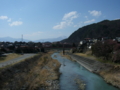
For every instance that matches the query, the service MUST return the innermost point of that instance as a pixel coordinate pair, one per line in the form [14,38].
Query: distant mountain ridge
[104,28]
[52,39]
[9,39]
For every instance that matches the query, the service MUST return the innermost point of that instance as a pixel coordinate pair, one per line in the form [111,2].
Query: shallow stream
[72,70]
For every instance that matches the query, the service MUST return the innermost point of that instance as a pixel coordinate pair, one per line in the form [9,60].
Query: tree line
[109,50]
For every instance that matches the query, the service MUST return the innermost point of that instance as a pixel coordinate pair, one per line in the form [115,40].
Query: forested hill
[104,28]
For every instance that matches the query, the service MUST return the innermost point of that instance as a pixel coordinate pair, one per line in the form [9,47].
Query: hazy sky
[40,19]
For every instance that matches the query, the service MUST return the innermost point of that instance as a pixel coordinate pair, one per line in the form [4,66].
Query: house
[89,44]
[47,44]
[95,40]
[86,44]
[118,39]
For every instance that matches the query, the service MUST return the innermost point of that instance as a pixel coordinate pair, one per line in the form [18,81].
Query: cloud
[95,13]
[67,20]
[9,20]
[89,21]
[70,15]
[16,23]
[3,17]
[60,26]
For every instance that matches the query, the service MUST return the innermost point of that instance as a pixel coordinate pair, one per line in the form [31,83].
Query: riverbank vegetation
[108,50]
[111,74]
[110,70]
[8,57]
[34,73]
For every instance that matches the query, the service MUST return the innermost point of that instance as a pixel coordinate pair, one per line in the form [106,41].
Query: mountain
[52,39]
[41,40]
[104,28]
[9,39]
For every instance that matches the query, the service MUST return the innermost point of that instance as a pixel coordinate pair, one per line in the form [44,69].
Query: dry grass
[17,75]
[112,76]
[47,69]
[81,54]
[87,55]
[110,71]
[67,56]
[17,55]
[9,57]
[34,75]
[81,83]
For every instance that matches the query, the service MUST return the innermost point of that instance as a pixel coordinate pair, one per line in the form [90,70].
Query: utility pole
[22,38]
[21,44]
[63,49]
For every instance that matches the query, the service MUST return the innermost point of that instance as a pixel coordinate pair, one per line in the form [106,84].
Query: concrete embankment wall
[91,65]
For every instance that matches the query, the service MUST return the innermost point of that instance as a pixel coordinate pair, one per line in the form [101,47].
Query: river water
[72,70]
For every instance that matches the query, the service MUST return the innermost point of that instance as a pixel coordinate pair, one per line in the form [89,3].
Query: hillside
[104,28]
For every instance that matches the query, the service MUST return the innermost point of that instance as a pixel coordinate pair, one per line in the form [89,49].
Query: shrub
[116,56]
[109,50]
[97,49]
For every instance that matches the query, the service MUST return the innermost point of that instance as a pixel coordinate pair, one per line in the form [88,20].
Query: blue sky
[41,19]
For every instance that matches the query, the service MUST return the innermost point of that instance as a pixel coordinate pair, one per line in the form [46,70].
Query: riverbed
[72,71]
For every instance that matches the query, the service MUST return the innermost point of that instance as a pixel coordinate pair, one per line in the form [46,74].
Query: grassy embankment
[32,73]
[49,71]
[110,71]
[9,57]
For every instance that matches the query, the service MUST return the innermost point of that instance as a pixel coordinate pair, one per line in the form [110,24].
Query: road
[2,64]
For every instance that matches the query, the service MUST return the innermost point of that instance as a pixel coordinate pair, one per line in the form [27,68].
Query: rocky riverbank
[110,73]
[36,73]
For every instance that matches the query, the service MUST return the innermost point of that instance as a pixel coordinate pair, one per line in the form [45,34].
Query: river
[72,71]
